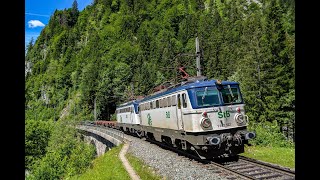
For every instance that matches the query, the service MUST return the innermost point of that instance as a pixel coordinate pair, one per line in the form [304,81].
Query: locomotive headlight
[250,135]
[215,140]
[239,119]
[206,123]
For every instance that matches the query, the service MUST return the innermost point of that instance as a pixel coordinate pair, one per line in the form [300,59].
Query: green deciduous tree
[37,135]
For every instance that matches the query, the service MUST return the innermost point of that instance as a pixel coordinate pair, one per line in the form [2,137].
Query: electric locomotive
[204,116]
[127,116]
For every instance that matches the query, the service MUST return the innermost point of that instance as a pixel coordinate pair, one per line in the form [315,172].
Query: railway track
[253,169]
[237,168]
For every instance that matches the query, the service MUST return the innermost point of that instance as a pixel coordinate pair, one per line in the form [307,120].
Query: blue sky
[38,12]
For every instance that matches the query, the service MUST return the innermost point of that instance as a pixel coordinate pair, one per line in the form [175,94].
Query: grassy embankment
[144,171]
[275,155]
[109,166]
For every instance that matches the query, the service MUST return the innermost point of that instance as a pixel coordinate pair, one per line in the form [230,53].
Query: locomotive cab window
[184,100]
[231,95]
[173,100]
[207,97]
[169,101]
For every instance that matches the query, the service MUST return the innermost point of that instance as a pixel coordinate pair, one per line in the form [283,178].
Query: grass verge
[144,171]
[275,155]
[108,166]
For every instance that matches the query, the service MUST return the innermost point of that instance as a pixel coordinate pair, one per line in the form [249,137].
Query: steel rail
[274,167]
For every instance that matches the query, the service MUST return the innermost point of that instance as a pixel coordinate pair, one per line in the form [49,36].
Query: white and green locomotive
[206,116]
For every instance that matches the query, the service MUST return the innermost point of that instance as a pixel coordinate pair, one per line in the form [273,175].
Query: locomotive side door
[131,114]
[139,114]
[179,112]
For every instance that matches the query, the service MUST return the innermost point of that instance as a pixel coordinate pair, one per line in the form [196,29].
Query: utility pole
[74,102]
[132,91]
[95,113]
[54,112]
[198,57]
[259,78]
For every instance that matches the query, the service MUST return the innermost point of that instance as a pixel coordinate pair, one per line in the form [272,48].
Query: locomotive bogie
[209,144]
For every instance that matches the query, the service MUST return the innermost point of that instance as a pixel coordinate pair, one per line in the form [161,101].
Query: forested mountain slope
[115,47]
[114,44]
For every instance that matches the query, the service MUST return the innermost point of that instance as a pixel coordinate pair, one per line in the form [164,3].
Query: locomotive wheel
[178,144]
[233,158]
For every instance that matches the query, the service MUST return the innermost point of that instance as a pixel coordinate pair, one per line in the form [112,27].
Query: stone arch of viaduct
[102,141]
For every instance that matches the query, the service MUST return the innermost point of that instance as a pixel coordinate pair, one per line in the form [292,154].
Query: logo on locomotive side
[168,114]
[149,119]
[223,114]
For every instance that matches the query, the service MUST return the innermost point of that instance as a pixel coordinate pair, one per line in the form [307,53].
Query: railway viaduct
[102,138]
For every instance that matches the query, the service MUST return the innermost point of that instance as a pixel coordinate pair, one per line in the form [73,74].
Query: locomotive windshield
[207,97]
[231,95]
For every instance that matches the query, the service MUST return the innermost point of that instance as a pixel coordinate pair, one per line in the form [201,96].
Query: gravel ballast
[169,164]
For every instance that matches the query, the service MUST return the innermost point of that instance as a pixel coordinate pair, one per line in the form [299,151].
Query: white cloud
[35,23]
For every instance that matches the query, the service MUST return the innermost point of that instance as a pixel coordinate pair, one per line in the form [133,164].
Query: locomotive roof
[195,84]
[128,103]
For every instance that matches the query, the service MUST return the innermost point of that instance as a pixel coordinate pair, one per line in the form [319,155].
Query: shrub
[268,134]
[37,134]
[66,154]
